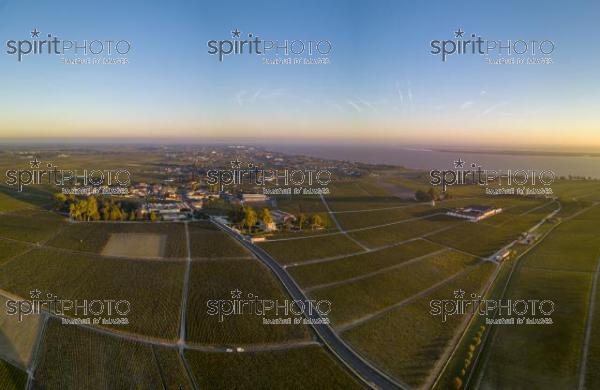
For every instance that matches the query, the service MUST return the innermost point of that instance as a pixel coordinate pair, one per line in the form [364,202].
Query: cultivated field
[94,236]
[11,199]
[561,269]
[592,377]
[152,287]
[208,241]
[359,298]
[404,230]
[9,203]
[355,220]
[309,368]
[10,249]
[485,237]
[290,251]
[538,356]
[310,275]
[216,280]
[359,195]
[75,358]
[30,225]
[408,341]
[11,378]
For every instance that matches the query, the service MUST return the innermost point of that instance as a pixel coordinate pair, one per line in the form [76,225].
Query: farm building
[474,213]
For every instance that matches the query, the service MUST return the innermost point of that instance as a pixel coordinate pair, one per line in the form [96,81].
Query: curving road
[373,377]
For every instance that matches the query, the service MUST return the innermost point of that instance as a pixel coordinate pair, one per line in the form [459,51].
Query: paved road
[364,370]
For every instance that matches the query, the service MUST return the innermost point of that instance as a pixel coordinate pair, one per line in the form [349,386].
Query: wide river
[427,159]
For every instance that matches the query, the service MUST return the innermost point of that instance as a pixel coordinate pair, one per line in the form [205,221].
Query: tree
[422,196]
[115,213]
[75,211]
[236,216]
[250,218]
[91,209]
[301,220]
[457,383]
[265,217]
[316,221]
[61,200]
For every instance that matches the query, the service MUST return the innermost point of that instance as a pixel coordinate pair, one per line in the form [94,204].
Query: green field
[541,356]
[215,280]
[485,239]
[592,378]
[93,236]
[152,287]
[290,251]
[408,341]
[359,195]
[10,249]
[560,269]
[11,378]
[579,239]
[72,357]
[353,266]
[206,241]
[9,203]
[301,368]
[11,199]
[362,219]
[354,220]
[393,234]
[296,204]
[359,298]
[30,225]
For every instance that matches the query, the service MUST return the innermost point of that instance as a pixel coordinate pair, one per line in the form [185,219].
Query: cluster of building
[157,191]
[173,211]
[474,213]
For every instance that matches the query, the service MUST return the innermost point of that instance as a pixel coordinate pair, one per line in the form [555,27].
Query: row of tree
[458,380]
[91,208]
[247,218]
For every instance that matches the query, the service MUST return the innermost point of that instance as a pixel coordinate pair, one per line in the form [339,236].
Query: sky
[381,84]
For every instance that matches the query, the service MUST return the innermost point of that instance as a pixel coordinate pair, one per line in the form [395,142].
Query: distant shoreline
[521,153]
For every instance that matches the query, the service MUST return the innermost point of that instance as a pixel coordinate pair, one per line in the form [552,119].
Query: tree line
[91,208]
[247,218]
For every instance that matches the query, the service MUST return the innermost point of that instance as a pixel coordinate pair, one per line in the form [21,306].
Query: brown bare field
[136,245]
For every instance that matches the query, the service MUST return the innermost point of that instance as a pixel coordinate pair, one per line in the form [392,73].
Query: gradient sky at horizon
[382,83]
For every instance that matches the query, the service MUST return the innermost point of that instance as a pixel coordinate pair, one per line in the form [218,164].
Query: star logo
[35,294]
[35,163]
[236,163]
[459,294]
[458,33]
[236,294]
[459,163]
[235,33]
[35,33]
